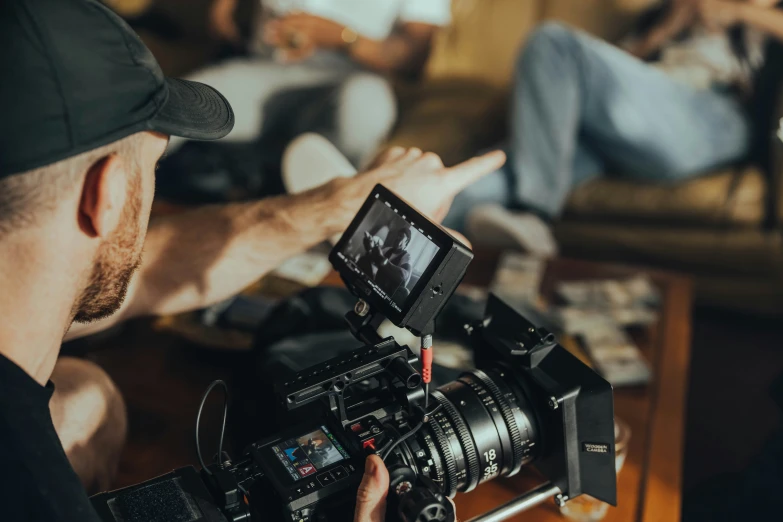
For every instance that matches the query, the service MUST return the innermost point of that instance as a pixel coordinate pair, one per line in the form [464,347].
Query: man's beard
[116,261]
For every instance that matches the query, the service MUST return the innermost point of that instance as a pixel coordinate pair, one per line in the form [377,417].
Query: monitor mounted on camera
[403,265]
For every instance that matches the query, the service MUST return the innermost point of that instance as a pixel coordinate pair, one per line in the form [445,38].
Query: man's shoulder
[38,481]
[15,477]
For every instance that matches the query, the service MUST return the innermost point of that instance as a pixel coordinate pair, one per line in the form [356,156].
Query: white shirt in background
[370,18]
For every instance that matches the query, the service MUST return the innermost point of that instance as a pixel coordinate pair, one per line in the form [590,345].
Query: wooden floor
[162,377]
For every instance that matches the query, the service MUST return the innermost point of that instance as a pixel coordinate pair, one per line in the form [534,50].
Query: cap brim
[194,111]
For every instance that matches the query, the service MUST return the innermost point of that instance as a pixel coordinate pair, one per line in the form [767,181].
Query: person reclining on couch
[669,108]
[321,66]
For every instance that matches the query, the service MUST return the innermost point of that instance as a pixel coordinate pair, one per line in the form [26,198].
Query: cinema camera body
[529,401]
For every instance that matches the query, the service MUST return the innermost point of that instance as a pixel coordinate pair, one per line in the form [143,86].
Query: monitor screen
[310,453]
[389,252]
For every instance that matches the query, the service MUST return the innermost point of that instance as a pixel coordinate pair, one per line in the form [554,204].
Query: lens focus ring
[449,480]
[466,441]
[508,416]
[436,469]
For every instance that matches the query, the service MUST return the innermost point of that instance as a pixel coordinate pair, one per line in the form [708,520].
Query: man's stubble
[116,261]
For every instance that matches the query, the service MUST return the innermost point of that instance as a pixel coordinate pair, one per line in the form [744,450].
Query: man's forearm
[201,257]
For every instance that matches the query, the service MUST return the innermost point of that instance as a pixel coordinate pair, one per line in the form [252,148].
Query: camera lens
[484,429]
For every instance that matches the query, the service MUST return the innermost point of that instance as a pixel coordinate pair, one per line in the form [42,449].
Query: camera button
[325,479]
[339,473]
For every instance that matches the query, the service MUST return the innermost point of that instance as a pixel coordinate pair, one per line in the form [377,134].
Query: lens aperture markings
[483,429]
[457,424]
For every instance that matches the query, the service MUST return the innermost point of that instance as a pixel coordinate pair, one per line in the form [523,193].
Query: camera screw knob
[361,308]
[560,500]
[553,404]
[403,487]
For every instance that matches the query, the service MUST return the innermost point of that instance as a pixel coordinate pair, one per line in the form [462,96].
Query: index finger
[460,176]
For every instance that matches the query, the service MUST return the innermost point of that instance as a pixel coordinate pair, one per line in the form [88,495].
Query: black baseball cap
[75,77]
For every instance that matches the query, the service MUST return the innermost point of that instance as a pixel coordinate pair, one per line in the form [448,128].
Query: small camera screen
[310,453]
[389,252]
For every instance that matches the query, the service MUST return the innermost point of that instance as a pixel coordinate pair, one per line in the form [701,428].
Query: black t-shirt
[37,482]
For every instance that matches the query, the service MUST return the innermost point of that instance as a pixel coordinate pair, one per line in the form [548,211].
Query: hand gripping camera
[529,401]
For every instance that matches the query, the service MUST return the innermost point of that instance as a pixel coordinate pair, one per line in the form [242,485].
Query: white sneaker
[495,226]
[310,161]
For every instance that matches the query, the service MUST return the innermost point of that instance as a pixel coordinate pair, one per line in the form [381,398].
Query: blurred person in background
[322,65]
[672,105]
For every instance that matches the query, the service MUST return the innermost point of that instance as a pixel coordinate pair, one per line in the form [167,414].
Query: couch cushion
[731,268]
[482,40]
[731,198]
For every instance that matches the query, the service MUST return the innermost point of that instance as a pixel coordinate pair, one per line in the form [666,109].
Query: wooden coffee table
[649,485]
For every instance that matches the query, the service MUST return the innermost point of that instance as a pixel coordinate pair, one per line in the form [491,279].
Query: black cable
[387,451]
[198,421]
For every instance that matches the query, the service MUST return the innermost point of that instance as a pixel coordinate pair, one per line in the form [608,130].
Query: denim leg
[578,98]
[586,164]
[497,187]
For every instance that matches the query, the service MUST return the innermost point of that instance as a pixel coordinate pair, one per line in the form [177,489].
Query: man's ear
[103,197]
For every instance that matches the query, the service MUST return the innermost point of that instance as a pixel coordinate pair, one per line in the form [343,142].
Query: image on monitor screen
[309,453]
[389,252]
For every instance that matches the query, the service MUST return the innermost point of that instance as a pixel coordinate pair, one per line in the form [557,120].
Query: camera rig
[571,394]
[528,401]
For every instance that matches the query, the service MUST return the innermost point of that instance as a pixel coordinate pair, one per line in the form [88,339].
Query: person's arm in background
[222,22]
[400,272]
[680,15]
[201,257]
[404,51]
[722,13]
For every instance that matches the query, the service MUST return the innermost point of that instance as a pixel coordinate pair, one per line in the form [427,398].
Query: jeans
[581,106]
[328,94]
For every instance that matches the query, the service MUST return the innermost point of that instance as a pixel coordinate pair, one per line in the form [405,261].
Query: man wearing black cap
[86,114]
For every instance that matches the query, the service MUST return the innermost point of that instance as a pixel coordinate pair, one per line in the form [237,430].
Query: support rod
[523,502]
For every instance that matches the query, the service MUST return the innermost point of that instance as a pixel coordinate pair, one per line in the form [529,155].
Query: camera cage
[330,379]
[567,394]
